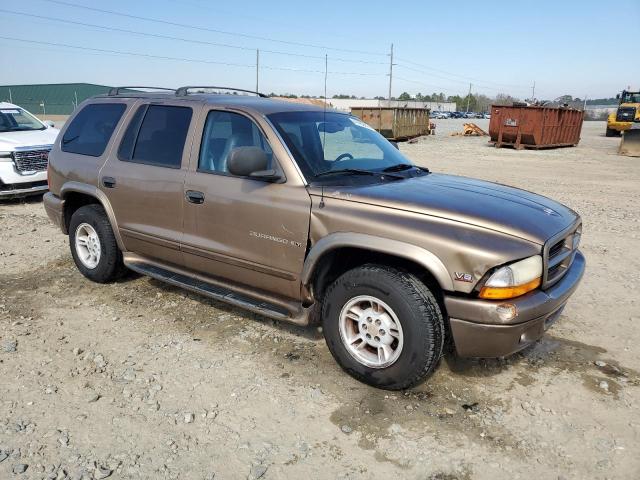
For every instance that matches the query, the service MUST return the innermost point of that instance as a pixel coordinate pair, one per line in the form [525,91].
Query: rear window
[156,136]
[91,129]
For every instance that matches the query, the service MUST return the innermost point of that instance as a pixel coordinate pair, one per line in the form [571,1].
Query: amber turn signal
[500,293]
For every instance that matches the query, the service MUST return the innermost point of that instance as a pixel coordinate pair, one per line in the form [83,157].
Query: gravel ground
[141,380]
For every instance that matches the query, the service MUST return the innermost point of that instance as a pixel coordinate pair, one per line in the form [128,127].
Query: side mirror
[49,123]
[617,96]
[395,144]
[251,162]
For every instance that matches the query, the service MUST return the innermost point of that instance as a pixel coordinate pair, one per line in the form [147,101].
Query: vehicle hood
[11,140]
[485,204]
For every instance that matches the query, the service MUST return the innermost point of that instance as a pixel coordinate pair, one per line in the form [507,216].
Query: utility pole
[10,97]
[584,105]
[390,72]
[533,91]
[257,68]
[75,95]
[469,97]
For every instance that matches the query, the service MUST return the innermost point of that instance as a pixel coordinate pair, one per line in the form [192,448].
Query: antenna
[324,110]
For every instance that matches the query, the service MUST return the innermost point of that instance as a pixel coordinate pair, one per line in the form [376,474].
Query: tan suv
[308,215]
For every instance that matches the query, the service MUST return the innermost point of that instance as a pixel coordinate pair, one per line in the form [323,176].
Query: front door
[249,231]
[145,182]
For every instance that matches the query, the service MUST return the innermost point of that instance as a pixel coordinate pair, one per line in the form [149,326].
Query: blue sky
[566,47]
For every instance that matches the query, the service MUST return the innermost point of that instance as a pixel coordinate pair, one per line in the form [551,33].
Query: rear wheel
[93,245]
[611,132]
[383,326]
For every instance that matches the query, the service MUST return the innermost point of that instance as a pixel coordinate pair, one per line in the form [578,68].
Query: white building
[347,103]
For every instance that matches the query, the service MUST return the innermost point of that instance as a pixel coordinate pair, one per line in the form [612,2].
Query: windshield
[329,141]
[631,97]
[16,119]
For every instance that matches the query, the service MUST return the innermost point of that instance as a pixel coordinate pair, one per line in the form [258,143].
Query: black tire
[110,266]
[611,132]
[417,310]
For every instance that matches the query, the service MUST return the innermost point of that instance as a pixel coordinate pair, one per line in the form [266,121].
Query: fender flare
[92,191]
[419,255]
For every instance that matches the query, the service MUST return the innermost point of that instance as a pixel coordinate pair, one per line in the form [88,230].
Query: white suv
[25,142]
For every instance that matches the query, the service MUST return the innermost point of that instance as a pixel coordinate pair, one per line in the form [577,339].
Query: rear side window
[156,136]
[91,129]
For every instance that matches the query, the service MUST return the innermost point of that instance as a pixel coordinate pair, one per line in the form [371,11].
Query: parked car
[457,114]
[308,215]
[469,115]
[25,142]
[439,115]
[486,116]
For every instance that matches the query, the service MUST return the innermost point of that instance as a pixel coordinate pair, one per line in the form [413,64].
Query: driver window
[224,131]
[350,142]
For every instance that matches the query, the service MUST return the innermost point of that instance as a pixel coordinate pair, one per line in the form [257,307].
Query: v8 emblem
[463,277]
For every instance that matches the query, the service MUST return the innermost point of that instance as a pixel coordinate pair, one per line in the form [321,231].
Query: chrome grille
[559,254]
[28,161]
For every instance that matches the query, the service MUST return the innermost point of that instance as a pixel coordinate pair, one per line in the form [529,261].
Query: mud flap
[630,143]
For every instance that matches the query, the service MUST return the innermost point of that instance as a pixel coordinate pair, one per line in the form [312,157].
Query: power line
[463,82]
[181,39]
[182,59]
[421,83]
[465,77]
[208,29]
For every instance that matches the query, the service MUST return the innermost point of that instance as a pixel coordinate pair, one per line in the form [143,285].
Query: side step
[218,292]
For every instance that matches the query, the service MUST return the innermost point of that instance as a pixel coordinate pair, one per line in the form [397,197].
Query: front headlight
[514,280]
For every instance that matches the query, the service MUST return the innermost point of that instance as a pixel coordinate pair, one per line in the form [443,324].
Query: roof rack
[183,91]
[116,90]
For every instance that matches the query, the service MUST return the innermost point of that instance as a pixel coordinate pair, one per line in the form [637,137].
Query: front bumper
[14,184]
[54,206]
[619,126]
[479,331]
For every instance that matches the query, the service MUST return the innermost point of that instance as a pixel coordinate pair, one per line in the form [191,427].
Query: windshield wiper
[353,171]
[398,167]
[356,171]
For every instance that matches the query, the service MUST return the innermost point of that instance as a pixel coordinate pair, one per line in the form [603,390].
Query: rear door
[248,231]
[144,179]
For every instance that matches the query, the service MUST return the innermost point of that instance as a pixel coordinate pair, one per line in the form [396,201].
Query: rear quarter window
[91,129]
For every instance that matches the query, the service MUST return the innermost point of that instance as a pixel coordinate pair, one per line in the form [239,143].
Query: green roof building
[52,98]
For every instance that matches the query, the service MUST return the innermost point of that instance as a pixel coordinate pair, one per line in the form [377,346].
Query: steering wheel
[344,156]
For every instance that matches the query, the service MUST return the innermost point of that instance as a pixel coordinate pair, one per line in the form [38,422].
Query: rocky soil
[138,379]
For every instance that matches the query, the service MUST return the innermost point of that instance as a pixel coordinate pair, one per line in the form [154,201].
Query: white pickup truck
[25,142]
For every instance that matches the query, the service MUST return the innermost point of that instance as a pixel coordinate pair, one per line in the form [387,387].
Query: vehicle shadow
[310,332]
[30,199]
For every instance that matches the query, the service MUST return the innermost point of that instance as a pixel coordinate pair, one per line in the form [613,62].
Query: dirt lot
[141,380]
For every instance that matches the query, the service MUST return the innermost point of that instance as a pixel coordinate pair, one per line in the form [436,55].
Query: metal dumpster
[534,126]
[395,123]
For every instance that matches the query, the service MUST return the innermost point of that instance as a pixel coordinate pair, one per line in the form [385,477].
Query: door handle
[109,182]
[194,196]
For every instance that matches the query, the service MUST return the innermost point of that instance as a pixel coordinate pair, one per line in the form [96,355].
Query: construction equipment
[630,143]
[470,130]
[628,111]
[535,126]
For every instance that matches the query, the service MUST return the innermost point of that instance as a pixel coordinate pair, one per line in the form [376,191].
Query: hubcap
[371,331]
[88,245]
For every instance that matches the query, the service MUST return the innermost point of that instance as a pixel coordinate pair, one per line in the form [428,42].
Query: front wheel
[383,326]
[611,132]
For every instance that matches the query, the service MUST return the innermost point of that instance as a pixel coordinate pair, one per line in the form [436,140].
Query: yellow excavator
[626,121]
